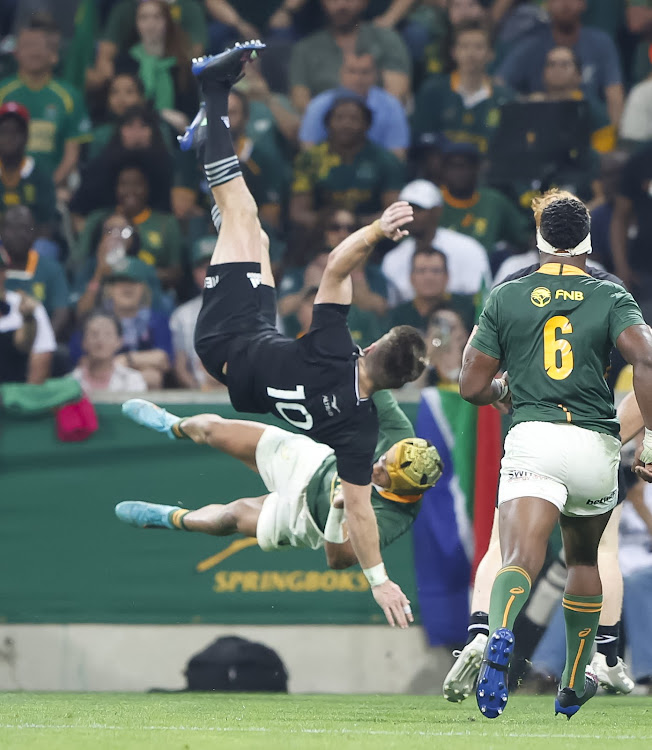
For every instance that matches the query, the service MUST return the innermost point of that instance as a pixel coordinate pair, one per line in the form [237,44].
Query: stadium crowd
[464,108]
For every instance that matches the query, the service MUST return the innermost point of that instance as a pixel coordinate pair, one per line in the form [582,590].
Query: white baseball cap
[421,193]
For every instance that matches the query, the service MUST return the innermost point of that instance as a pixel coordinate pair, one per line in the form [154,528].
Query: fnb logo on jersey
[576,296]
[210,282]
[540,296]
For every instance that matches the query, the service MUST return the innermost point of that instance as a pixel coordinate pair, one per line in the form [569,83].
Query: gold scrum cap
[416,467]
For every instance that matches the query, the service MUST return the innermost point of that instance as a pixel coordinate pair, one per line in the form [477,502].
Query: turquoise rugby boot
[146,515]
[491,690]
[150,415]
[568,703]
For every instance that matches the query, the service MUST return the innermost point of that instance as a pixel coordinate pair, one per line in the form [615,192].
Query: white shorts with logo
[574,468]
[287,463]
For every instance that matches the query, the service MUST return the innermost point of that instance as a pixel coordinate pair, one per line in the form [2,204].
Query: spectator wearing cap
[480,212]
[146,339]
[187,367]
[120,29]
[58,120]
[113,240]
[347,170]
[562,81]
[41,277]
[429,279]
[468,265]
[160,235]
[22,181]
[316,60]
[389,126]
[101,369]
[465,105]
[523,68]
[27,341]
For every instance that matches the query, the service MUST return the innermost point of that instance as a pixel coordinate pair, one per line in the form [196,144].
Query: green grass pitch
[198,721]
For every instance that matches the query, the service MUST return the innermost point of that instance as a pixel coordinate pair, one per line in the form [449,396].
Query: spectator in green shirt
[41,278]
[480,212]
[316,60]
[465,105]
[22,181]
[160,236]
[119,31]
[58,119]
[429,277]
[346,170]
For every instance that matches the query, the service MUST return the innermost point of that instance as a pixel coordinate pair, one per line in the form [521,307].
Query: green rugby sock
[582,614]
[177,431]
[176,518]
[508,596]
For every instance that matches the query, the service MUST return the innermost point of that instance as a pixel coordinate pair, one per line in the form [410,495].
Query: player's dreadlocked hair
[399,357]
[561,217]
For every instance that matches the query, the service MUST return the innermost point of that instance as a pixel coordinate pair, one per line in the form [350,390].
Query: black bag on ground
[237,665]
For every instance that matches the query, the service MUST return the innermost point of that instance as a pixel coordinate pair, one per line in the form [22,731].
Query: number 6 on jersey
[557,367]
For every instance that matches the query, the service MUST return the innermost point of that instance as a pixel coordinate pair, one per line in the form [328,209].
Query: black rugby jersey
[312,383]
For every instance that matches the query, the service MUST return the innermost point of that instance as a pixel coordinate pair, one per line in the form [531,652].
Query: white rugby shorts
[573,468]
[287,462]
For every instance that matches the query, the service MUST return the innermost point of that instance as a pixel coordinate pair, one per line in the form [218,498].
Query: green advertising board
[66,558]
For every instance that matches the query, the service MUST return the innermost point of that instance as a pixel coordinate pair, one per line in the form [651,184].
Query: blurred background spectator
[100,369]
[27,340]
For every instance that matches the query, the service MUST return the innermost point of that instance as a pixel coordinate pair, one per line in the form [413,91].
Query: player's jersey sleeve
[486,338]
[329,334]
[393,425]
[625,312]
[393,520]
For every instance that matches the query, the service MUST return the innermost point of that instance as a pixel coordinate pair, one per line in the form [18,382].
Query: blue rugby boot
[195,135]
[150,415]
[147,515]
[568,703]
[228,66]
[491,690]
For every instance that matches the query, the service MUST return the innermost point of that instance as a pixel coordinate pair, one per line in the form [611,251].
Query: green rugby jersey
[393,518]
[553,331]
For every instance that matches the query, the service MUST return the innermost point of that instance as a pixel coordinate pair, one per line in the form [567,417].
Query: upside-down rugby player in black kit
[321,383]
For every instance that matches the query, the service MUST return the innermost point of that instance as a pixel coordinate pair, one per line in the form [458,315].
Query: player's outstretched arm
[635,344]
[363,533]
[336,286]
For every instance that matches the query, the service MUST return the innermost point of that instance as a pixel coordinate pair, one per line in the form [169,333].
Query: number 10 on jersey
[557,352]
[289,404]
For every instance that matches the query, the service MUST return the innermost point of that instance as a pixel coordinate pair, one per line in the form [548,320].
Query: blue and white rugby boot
[568,703]
[195,135]
[491,690]
[228,66]
[146,515]
[150,415]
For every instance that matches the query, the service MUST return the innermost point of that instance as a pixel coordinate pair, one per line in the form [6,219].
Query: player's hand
[27,306]
[394,217]
[504,404]
[643,471]
[394,603]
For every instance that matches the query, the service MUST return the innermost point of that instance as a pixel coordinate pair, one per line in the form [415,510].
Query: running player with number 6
[321,384]
[553,331]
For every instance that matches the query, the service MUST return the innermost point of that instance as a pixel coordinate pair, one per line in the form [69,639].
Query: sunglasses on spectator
[339,227]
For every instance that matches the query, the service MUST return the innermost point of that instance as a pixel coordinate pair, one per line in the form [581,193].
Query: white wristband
[646,453]
[376,575]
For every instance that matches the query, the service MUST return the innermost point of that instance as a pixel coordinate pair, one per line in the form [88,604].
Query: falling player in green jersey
[304,506]
[552,332]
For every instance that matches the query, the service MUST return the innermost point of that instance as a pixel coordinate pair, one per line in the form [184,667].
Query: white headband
[545,247]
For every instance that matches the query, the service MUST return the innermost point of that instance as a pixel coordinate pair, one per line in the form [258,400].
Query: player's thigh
[240,232]
[609,540]
[287,462]
[247,511]
[581,536]
[237,438]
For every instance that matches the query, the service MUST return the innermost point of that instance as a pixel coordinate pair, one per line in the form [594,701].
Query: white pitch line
[361,732]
